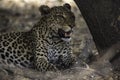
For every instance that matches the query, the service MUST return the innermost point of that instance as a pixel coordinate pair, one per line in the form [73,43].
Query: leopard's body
[46,46]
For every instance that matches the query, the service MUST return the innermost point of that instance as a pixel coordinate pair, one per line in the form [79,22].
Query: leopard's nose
[66,28]
[69,32]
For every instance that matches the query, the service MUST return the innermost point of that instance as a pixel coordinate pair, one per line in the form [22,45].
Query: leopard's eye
[60,19]
[60,15]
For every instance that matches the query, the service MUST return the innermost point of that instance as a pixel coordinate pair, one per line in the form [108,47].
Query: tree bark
[103,20]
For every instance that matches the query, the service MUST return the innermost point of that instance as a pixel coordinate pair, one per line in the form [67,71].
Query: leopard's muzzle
[65,35]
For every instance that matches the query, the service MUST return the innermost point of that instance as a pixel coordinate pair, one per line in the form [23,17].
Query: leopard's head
[61,19]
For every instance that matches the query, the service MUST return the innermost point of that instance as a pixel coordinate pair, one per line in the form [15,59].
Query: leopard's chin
[66,39]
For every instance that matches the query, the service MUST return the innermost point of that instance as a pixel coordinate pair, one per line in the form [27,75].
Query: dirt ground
[21,15]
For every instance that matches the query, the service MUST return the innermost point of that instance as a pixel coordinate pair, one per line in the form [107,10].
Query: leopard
[47,46]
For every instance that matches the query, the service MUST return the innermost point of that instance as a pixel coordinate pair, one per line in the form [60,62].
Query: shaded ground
[20,15]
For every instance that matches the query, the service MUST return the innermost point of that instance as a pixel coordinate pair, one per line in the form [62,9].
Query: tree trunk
[103,20]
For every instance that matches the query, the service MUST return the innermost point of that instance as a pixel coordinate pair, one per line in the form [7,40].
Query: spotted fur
[42,47]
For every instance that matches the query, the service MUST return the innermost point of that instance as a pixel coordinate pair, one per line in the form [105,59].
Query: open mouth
[66,36]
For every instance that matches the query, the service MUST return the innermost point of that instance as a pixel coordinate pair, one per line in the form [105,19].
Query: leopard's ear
[67,6]
[44,9]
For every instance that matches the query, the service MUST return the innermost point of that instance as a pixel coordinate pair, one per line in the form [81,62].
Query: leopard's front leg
[40,58]
[66,58]
[42,63]
[66,61]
